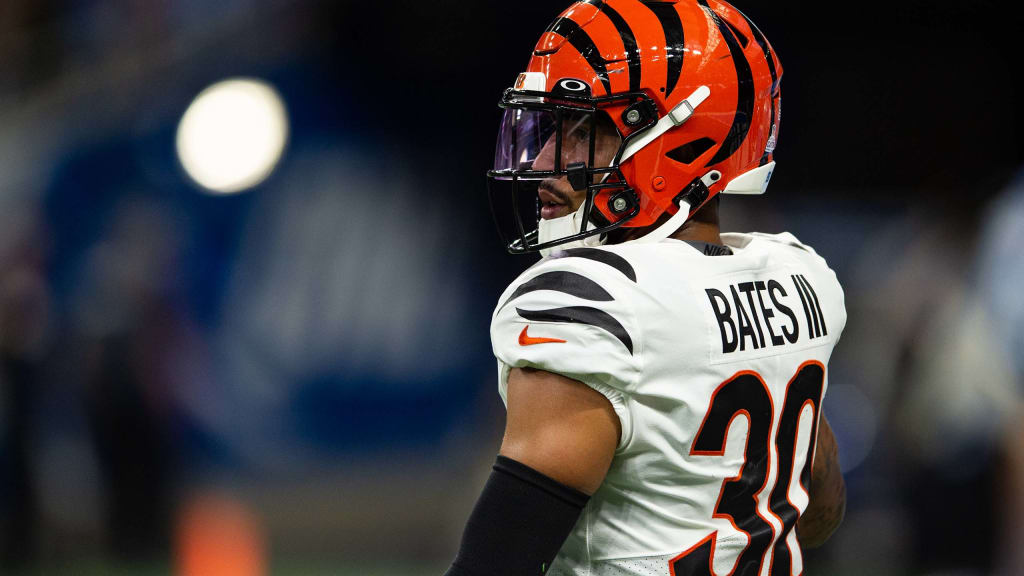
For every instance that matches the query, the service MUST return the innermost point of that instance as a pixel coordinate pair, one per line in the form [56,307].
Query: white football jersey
[715,366]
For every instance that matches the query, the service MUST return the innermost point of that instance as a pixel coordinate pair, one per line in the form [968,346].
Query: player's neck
[698,231]
[702,226]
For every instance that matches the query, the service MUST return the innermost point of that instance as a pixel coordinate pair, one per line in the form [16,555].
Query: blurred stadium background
[292,374]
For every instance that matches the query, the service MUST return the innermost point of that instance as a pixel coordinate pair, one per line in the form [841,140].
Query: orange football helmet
[691,86]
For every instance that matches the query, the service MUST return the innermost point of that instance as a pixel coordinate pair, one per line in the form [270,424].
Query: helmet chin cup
[565,226]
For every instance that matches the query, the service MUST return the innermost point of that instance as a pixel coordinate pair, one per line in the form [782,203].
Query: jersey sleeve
[572,319]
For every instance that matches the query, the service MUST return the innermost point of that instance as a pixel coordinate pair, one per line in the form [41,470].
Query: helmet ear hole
[690,151]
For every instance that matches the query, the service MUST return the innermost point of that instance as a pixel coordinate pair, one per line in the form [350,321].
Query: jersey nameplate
[756,318]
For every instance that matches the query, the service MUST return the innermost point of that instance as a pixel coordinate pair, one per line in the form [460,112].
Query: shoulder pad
[784,238]
[606,257]
[571,314]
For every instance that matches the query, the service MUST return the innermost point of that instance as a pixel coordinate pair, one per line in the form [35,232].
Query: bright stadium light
[232,135]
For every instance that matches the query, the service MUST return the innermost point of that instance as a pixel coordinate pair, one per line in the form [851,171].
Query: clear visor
[530,141]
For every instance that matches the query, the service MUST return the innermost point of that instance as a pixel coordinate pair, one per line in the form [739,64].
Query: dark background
[298,378]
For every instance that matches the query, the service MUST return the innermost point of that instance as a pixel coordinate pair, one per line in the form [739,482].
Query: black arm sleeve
[519,523]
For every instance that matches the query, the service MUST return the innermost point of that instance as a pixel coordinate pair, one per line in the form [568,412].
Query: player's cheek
[608,146]
[546,158]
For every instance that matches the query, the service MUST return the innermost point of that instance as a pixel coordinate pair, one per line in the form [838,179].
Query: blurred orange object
[219,536]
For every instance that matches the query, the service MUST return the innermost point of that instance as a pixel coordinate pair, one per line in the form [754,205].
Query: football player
[663,381]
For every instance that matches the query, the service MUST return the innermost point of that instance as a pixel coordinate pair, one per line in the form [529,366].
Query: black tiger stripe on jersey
[603,256]
[582,315]
[569,283]
[763,43]
[745,90]
[628,42]
[584,44]
[673,28]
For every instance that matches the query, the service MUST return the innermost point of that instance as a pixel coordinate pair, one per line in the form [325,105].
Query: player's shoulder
[602,261]
[780,240]
[811,269]
[573,314]
[582,298]
[785,248]
[588,274]
[782,243]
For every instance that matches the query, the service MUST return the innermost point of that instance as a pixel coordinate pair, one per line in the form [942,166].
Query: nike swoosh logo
[527,340]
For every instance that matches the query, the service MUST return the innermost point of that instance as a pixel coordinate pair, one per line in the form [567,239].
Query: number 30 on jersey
[746,393]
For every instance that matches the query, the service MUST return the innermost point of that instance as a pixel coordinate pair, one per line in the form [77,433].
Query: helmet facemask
[549,143]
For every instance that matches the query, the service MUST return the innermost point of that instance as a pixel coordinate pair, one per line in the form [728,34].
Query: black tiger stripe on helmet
[773,71]
[744,113]
[584,44]
[672,26]
[628,43]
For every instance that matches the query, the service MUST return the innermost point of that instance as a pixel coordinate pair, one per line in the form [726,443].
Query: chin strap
[694,195]
[669,227]
[752,182]
[697,191]
[568,225]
